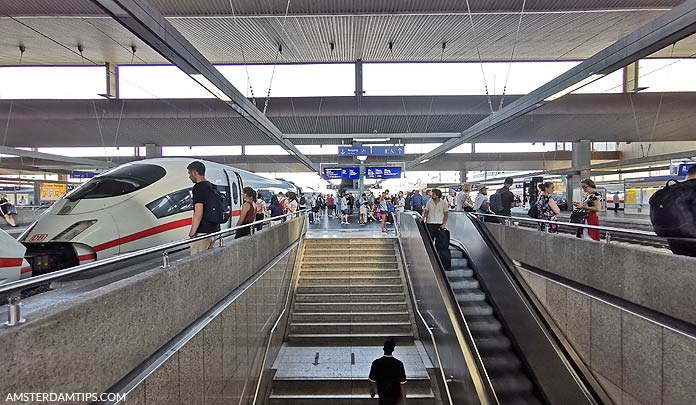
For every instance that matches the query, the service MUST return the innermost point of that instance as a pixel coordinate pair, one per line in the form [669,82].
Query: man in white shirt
[436,213]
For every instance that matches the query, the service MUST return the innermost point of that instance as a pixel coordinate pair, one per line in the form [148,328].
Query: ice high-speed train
[131,207]
[13,266]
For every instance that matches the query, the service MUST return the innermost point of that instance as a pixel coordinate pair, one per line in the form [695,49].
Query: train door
[219,177]
[236,199]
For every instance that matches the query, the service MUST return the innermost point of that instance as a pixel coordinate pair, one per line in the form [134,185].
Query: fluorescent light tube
[213,89]
[574,87]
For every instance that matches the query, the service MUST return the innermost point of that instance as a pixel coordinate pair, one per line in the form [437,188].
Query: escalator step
[502,363]
[488,325]
[460,263]
[513,384]
[476,308]
[459,273]
[464,284]
[456,253]
[473,294]
[492,344]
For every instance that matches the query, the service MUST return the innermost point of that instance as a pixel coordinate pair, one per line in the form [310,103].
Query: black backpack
[303,201]
[214,210]
[533,210]
[497,202]
[673,209]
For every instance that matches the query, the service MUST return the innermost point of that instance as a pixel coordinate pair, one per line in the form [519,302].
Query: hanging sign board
[383,172]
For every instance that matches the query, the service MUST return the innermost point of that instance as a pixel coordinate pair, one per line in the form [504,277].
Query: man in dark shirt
[388,374]
[507,197]
[417,202]
[202,194]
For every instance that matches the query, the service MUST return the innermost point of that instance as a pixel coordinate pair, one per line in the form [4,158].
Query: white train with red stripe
[131,207]
[13,266]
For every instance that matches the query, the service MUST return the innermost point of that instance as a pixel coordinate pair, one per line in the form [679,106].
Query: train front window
[120,181]
[174,203]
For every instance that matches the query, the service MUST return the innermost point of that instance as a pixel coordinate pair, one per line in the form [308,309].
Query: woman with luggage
[547,207]
[590,205]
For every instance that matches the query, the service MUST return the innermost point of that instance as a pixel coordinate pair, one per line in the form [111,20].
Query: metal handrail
[57,275]
[14,315]
[635,232]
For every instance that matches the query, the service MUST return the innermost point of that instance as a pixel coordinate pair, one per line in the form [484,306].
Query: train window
[122,180]
[235,193]
[174,203]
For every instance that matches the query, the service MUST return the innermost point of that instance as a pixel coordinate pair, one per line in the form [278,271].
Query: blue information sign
[383,172]
[387,150]
[354,151]
[332,173]
[684,167]
[82,175]
[335,173]
[350,173]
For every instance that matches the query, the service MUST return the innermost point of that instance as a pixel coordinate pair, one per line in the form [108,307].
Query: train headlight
[73,230]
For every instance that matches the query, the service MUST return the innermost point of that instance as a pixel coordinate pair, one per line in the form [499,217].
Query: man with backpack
[207,208]
[503,199]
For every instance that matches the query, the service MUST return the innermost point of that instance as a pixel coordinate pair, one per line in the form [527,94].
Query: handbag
[578,217]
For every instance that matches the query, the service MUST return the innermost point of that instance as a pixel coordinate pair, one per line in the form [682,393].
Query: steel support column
[630,77]
[111,80]
[359,78]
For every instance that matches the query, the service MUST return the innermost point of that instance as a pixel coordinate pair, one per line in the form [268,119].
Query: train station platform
[295,314]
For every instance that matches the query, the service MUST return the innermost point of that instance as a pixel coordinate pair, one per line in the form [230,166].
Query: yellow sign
[53,191]
[631,196]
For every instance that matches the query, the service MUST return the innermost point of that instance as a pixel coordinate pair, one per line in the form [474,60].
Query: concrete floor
[331,227]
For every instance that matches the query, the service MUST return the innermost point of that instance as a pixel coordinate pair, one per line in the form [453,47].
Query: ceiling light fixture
[213,89]
[371,139]
[574,87]
[425,160]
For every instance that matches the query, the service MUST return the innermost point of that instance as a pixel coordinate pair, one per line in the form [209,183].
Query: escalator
[519,351]
[508,373]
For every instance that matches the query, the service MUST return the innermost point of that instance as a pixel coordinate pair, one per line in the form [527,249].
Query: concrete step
[461,273]
[361,272]
[354,386]
[320,252]
[348,279]
[332,328]
[357,317]
[363,297]
[353,259]
[349,241]
[348,306]
[342,339]
[456,253]
[353,288]
[357,399]
[341,265]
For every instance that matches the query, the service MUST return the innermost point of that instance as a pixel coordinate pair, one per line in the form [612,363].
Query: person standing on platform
[616,201]
[591,205]
[463,201]
[281,200]
[450,199]
[260,211]
[547,207]
[400,206]
[204,195]
[331,205]
[417,202]
[5,211]
[248,213]
[481,198]
[345,210]
[275,210]
[291,203]
[388,375]
[384,211]
[435,214]
[426,197]
[503,199]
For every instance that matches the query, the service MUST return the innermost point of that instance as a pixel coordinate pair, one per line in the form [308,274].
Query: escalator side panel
[555,376]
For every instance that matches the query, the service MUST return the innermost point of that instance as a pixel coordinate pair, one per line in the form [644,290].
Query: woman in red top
[248,212]
[591,204]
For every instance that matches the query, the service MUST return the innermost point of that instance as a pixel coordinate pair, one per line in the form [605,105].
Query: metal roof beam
[397,136]
[6,150]
[664,30]
[142,19]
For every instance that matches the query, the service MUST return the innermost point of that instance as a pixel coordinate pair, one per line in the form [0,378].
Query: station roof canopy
[549,30]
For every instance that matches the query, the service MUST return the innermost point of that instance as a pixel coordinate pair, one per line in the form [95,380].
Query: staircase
[507,373]
[350,298]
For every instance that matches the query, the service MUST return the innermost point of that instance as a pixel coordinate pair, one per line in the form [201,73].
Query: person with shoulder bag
[586,211]
[248,213]
[546,207]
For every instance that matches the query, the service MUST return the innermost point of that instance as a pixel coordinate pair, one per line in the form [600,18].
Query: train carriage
[131,207]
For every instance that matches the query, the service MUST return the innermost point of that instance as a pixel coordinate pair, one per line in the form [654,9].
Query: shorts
[201,245]
[363,210]
[345,211]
